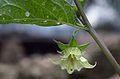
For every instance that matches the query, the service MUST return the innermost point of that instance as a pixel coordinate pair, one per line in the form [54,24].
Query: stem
[100,43]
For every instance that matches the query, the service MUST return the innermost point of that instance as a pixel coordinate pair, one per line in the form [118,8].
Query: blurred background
[26,50]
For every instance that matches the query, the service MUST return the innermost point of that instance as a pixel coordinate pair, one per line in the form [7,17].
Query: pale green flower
[72,50]
[74,62]
[72,56]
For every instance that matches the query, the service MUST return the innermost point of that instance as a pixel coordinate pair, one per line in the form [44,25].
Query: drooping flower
[72,56]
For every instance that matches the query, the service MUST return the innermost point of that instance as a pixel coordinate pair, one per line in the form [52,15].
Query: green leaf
[39,12]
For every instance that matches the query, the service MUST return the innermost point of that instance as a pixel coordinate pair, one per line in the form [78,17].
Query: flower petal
[74,50]
[85,63]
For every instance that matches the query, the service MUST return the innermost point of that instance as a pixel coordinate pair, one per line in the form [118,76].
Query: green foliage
[72,56]
[39,12]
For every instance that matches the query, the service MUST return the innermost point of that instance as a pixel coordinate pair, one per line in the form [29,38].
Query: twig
[100,43]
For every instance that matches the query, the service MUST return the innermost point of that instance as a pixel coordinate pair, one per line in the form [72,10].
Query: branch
[100,43]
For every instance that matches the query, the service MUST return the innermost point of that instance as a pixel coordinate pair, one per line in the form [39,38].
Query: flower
[72,56]
[73,61]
